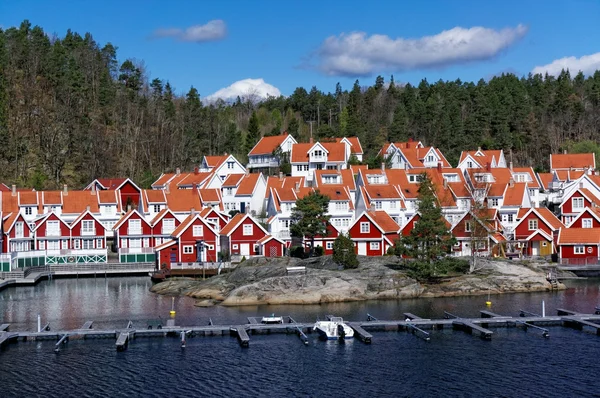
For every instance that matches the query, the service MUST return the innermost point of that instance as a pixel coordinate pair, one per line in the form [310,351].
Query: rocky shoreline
[266,281]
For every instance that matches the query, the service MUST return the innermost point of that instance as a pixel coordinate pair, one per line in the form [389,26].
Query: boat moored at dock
[334,329]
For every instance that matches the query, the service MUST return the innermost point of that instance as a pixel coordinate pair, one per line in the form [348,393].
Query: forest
[71,111]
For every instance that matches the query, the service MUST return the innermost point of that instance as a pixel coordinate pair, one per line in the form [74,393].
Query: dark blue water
[514,363]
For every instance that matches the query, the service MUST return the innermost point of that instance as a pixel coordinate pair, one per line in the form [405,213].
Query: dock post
[543,309]
[182,339]
[39,323]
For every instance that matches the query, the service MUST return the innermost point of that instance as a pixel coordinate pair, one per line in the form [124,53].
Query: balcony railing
[167,231]
[76,252]
[283,234]
[205,265]
[134,231]
[52,232]
[88,232]
[136,250]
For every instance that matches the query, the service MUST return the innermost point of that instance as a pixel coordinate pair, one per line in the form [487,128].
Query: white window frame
[42,245]
[329,245]
[197,231]
[28,210]
[235,246]
[586,223]
[248,229]
[579,249]
[20,229]
[532,223]
[85,227]
[365,227]
[374,246]
[378,205]
[156,208]
[577,203]
[467,226]
[188,249]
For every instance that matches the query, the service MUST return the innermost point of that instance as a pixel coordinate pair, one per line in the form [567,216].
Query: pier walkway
[412,323]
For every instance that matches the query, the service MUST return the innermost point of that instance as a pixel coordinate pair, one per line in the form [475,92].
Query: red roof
[248,184]
[233,223]
[183,200]
[575,236]
[232,180]
[336,152]
[572,161]
[209,195]
[384,221]
[111,183]
[549,217]
[215,161]
[267,145]
[514,195]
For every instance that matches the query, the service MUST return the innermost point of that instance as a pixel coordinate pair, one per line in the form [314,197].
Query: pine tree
[309,217]
[343,252]
[253,132]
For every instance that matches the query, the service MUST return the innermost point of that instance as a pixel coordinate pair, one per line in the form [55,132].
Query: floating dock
[243,332]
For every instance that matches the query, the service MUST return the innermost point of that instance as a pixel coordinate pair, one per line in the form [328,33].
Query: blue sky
[305,43]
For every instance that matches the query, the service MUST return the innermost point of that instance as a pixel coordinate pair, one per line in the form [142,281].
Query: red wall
[146,229]
[567,251]
[459,229]
[129,191]
[41,229]
[273,243]
[355,233]
[522,229]
[568,208]
[578,223]
[164,256]
[409,226]
[237,236]
[187,239]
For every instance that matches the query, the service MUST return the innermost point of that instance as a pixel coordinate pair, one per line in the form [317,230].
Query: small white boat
[272,319]
[334,329]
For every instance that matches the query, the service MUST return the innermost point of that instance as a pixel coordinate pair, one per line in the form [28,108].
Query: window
[42,245]
[430,158]
[53,228]
[188,249]
[413,178]
[53,245]
[319,166]
[510,217]
[77,244]
[230,165]
[305,167]
[318,153]
[374,245]
[329,245]
[156,208]
[197,231]
[378,204]
[135,226]
[494,202]
[341,206]
[146,242]
[229,191]
[65,244]
[299,168]
[579,250]
[470,164]
[331,167]
[135,243]
[158,241]
[235,246]
[19,229]
[365,227]
[392,204]
[248,230]
[586,223]
[467,226]
[168,225]
[533,225]
[87,244]
[345,222]
[577,203]
[28,211]
[87,227]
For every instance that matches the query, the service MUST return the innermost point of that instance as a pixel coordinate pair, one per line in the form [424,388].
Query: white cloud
[358,54]
[252,89]
[211,31]
[588,64]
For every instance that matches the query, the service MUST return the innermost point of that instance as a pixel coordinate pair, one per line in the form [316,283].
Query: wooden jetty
[363,329]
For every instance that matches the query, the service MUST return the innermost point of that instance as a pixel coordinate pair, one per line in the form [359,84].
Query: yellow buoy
[488,303]
[172,312]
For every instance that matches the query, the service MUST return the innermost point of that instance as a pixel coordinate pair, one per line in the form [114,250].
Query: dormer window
[470,164]
[230,165]
[430,158]
[156,208]
[413,178]
[28,210]
[318,153]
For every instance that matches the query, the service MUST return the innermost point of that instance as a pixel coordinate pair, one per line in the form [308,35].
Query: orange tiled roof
[234,222]
[382,191]
[358,167]
[248,184]
[569,175]
[335,192]
[355,146]
[588,194]
[336,152]
[163,179]
[155,196]
[549,217]
[78,201]
[484,157]
[232,180]
[159,216]
[52,197]
[9,202]
[181,200]
[209,195]
[215,161]
[108,197]
[574,236]
[185,224]
[546,179]
[529,170]
[572,160]
[267,145]
[28,198]
[111,183]
[514,195]
[192,179]
[384,221]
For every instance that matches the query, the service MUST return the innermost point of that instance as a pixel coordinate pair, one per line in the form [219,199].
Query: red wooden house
[241,235]
[326,242]
[162,226]
[575,203]
[193,242]
[18,240]
[270,246]
[216,218]
[466,243]
[579,246]
[373,232]
[51,234]
[588,218]
[132,238]
[537,231]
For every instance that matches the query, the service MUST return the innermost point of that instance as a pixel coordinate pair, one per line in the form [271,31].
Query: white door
[535,248]
[466,251]
[362,248]
[245,249]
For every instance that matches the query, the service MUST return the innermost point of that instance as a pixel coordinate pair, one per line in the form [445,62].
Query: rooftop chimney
[65,190]
[372,206]
[310,140]
[167,189]
[177,171]
[196,170]
[297,187]
[564,151]
[280,176]
[511,182]
[488,166]
[87,207]
[382,166]
[193,211]
[408,144]
[247,171]
[93,190]
[128,208]
[439,166]
[510,166]
[14,190]
[478,149]
[445,183]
